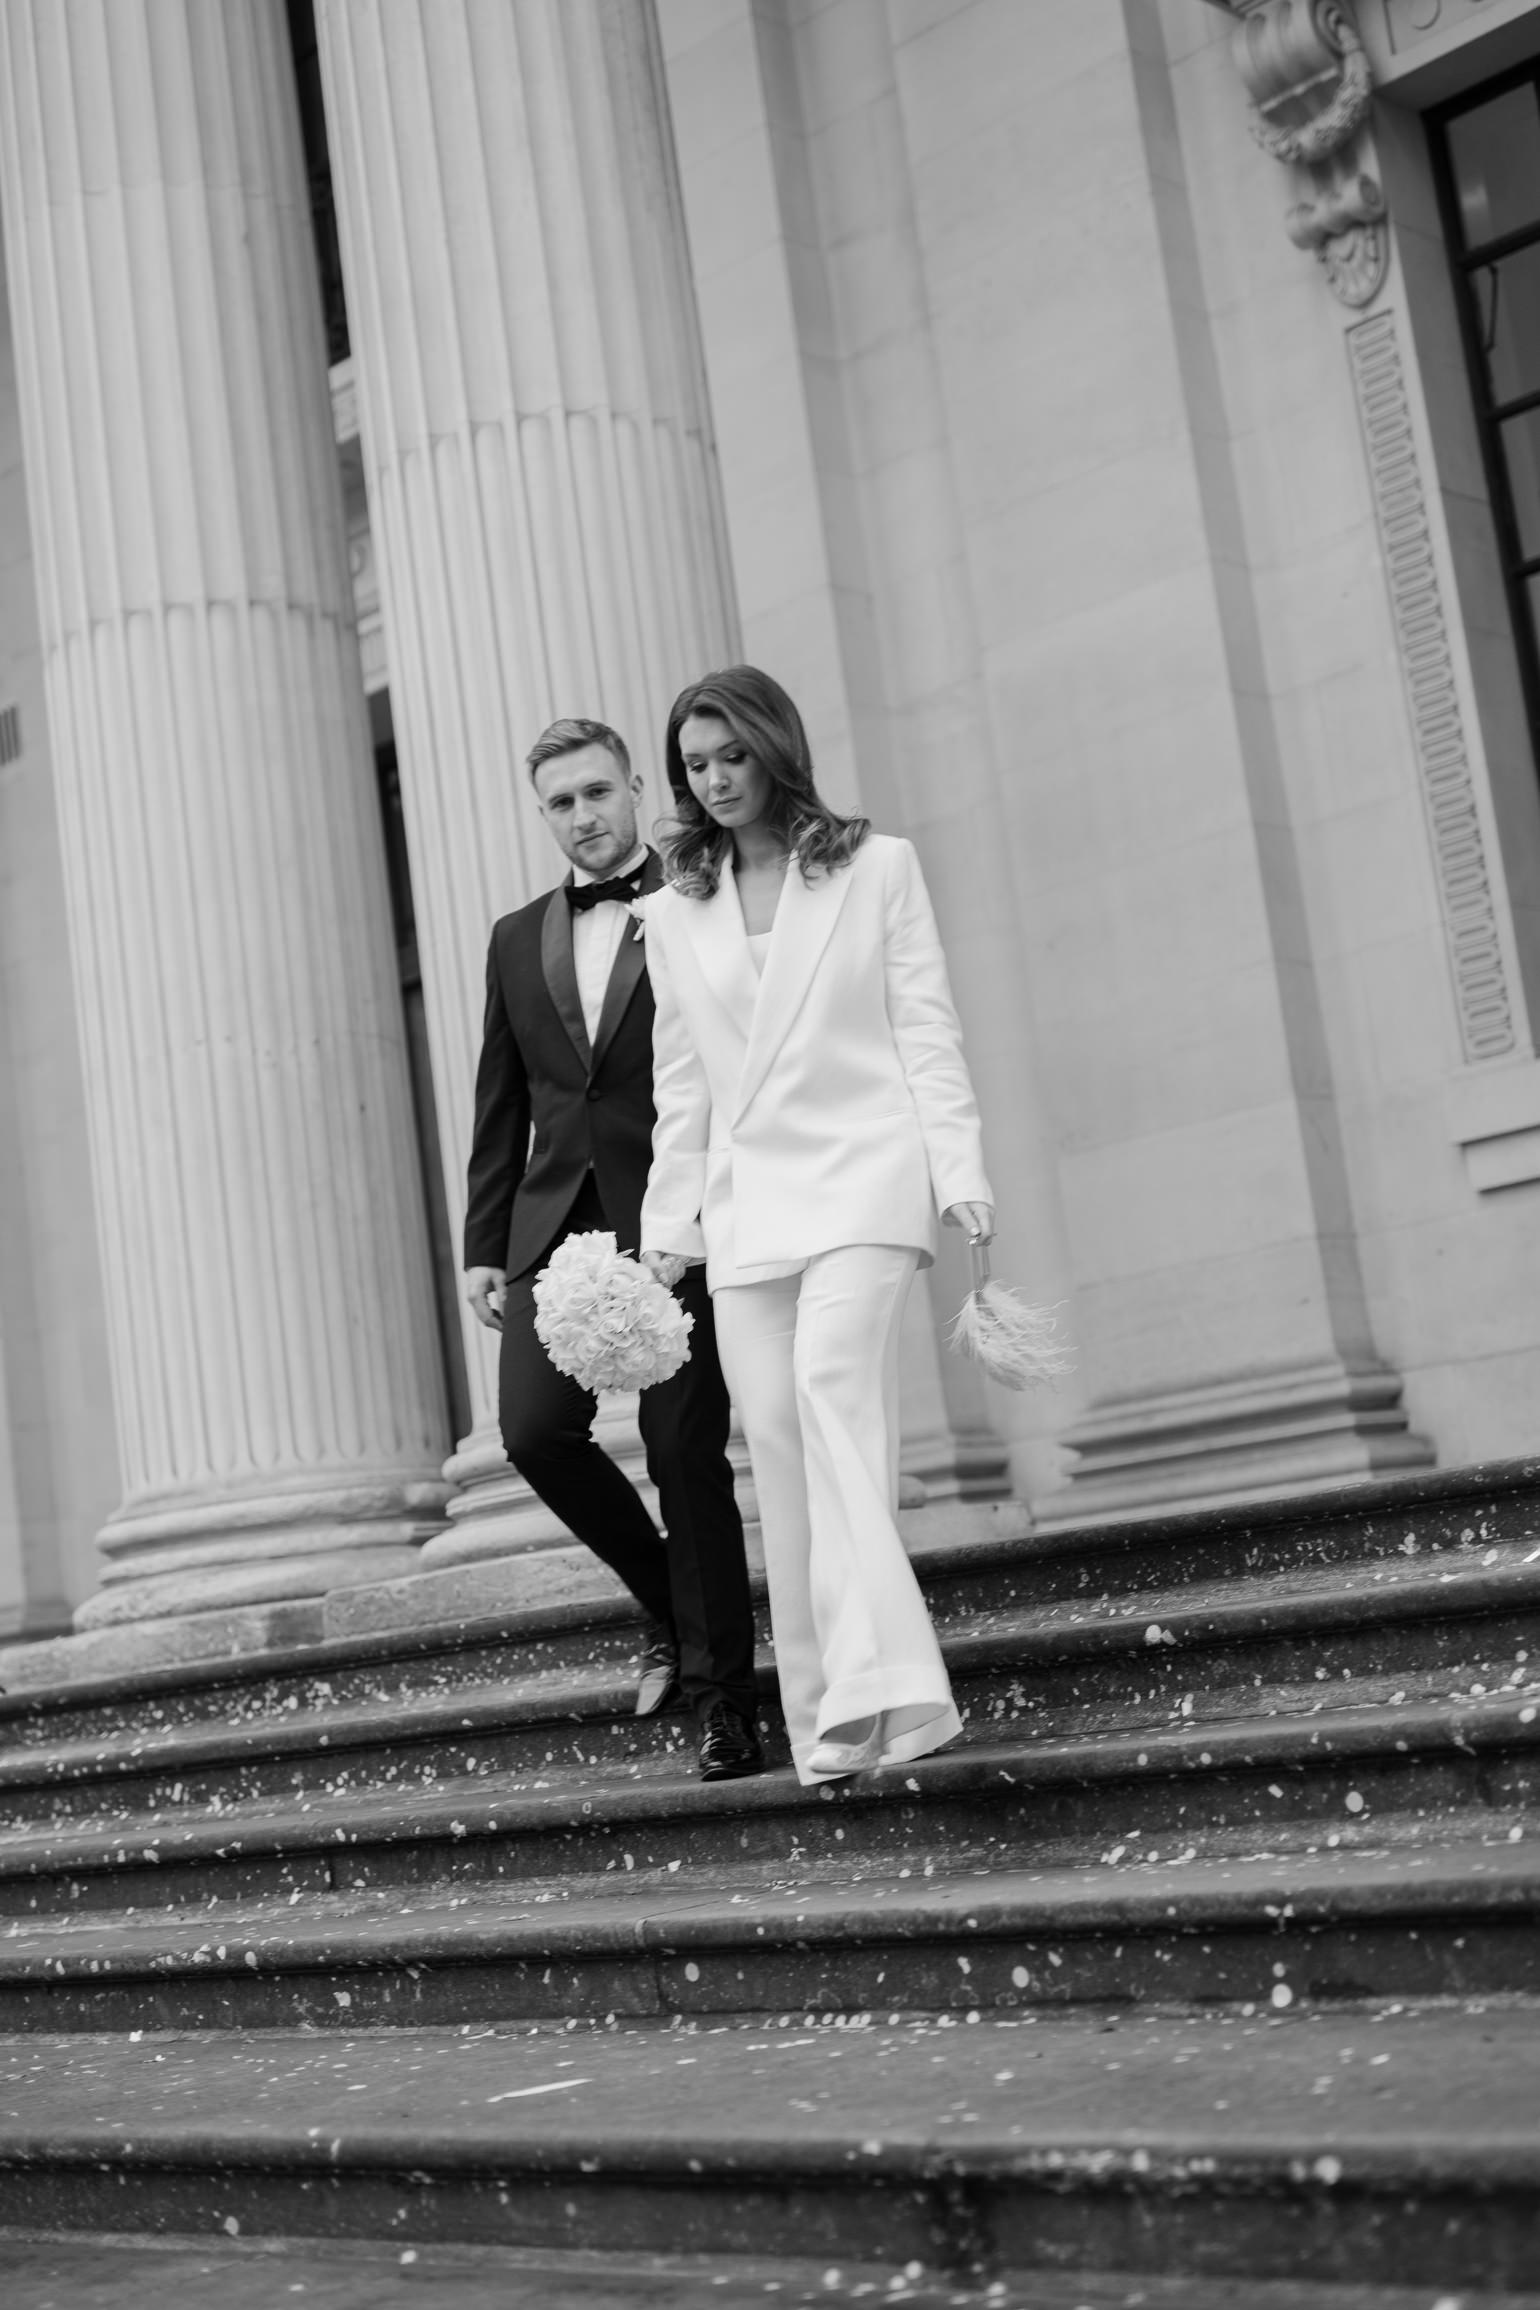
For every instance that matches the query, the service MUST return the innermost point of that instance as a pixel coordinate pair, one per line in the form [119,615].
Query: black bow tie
[623,887]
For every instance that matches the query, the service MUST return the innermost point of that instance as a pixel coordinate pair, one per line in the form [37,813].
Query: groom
[563,1141]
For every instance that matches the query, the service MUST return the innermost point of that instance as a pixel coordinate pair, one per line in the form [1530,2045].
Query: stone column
[539,467]
[267,1284]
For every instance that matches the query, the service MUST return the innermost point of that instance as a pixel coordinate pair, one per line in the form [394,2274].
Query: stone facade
[1068,402]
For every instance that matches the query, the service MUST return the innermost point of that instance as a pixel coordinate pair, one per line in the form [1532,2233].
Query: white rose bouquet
[605,1320]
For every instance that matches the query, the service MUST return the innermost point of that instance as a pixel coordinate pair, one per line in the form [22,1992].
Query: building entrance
[446,1263]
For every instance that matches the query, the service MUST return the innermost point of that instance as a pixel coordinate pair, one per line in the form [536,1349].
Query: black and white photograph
[769,1154]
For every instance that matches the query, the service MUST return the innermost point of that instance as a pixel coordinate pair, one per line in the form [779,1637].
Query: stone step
[1368,2148]
[1315,1719]
[1410,1773]
[1212,1651]
[562,1640]
[365,2274]
[1264,1934]
[1449,1518]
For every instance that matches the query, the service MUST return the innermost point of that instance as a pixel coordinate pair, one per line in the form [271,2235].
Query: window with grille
[1486,148]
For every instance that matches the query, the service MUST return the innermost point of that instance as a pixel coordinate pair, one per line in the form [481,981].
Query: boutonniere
[637,910]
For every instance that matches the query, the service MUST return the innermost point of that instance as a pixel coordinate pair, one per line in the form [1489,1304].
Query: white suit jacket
[824,1103]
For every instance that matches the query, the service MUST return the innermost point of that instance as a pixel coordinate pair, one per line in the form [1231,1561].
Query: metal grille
[1486,152]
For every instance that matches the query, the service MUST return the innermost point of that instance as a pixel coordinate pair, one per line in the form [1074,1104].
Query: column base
[486,1588]
[35,1618]
[441,1595]
[178,1641]
[493,1513]
[222,1552]
[503,1550]
[1245,1440]
[944,1466]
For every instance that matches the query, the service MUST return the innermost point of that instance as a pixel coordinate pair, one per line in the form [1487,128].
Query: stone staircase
[1209,1949]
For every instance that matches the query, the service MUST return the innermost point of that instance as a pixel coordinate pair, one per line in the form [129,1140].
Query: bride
[813,1112]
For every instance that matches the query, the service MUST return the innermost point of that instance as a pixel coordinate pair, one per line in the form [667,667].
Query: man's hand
[667,1266]
[977,1218]
[484,1288]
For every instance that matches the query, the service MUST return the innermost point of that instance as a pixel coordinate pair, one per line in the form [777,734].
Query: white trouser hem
[916,1740]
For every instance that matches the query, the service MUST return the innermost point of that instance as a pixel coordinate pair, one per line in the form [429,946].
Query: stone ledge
[484,1587]
[481,1588]
[206,1649]
[124,1650]
[1194,1619]
[1454,1921]
[1494,1116]
[374,1836]
[1417,2154]
[1266,1436]
[1419,57]
[478,1924]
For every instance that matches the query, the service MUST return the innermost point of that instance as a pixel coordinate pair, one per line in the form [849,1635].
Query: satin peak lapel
[627,969]
[804,925]
[715,930]
[561,972]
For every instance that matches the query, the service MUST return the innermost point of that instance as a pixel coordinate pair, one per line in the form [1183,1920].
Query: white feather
[1016,1343]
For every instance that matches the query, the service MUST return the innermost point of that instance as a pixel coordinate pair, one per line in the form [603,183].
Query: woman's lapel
[715,929]
[804,925]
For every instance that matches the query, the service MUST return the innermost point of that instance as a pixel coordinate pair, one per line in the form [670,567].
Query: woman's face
[724,777]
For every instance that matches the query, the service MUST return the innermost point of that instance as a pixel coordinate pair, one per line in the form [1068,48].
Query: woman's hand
[667,1266]
[977,1218]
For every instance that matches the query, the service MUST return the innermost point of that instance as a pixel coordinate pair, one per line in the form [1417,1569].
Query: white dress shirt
[596,936]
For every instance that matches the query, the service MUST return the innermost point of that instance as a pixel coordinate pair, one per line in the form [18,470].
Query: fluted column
[267,1282]
[538,459]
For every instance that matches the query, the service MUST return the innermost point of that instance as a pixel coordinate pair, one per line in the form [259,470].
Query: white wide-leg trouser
[811,1360]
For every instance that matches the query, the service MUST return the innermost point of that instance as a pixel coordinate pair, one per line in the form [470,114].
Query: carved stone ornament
[1307,75]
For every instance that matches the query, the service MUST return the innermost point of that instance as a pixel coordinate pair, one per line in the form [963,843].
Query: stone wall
[1407,770]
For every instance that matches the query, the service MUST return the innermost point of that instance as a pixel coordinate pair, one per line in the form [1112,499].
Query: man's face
[590,806]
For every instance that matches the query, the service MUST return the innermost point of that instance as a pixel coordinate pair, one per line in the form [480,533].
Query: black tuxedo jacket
[550,1108]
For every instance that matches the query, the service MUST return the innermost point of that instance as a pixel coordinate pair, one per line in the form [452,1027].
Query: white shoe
[832,1760]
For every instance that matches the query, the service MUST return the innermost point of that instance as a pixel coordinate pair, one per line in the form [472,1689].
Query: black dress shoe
[659,1680]
[729,1745]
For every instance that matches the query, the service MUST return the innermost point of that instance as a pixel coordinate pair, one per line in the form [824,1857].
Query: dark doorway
[318,169]
[446,1265]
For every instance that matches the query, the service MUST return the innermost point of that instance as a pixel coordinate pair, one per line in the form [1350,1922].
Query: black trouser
[696,1579]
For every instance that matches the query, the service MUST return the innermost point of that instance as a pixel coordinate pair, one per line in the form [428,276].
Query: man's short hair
[569,736]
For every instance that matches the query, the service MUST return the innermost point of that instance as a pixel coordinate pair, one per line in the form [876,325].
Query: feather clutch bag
[1016,1343]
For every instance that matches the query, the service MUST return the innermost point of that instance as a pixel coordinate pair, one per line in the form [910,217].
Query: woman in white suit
[813,1114]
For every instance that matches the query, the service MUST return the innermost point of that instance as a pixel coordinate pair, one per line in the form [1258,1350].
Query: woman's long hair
[762,717]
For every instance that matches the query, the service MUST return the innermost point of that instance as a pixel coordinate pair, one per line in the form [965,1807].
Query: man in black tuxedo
[563,1142]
